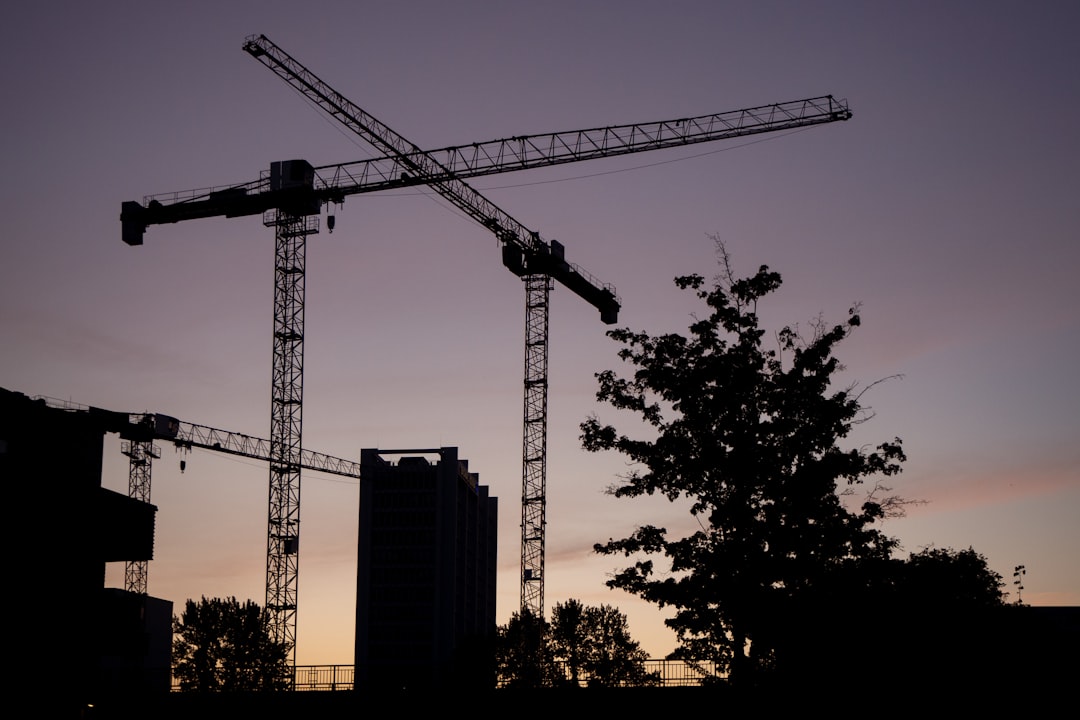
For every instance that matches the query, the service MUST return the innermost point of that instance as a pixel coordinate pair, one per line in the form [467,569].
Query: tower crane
[292,192]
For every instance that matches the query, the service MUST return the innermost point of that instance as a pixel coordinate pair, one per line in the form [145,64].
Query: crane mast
[525,253]
[291,192]
[141,455]
[286,414]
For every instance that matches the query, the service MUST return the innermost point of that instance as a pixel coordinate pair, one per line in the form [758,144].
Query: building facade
[426,562]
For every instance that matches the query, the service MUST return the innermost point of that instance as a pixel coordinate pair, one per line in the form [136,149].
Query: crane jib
[332,183]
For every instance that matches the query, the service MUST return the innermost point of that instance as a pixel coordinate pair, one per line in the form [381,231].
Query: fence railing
[658,673]
[323,677]
[677,673]
[668,673]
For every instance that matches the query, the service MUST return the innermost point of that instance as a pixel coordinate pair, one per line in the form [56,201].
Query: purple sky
[947,206]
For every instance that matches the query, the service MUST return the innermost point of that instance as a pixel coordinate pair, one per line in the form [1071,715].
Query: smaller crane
[138,431]
[186,436]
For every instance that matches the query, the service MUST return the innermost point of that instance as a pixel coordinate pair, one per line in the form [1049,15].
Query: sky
[946,207]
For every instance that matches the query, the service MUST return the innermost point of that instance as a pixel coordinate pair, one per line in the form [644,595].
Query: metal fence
[677,673]
[664,673]
[669,673]
[323,677]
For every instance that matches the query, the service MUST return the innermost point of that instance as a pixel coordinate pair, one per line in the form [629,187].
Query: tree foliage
[522,657]
[223,645]
[594,644]
[752,436]
[943,577]
[582,644]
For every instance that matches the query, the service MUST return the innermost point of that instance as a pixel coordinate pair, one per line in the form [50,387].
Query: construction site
[296,200]
[323,326]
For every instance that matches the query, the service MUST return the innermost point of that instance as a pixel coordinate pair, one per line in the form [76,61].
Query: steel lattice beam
[189,436]
[534,443]
[408,166]
[141,455]
[286,415]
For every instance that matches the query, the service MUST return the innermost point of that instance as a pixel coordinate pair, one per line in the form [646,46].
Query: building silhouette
[102,641]
[426,561]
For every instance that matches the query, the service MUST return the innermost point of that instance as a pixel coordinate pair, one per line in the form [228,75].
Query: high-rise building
[425,582]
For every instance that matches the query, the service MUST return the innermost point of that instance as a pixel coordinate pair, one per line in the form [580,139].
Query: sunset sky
[947,206]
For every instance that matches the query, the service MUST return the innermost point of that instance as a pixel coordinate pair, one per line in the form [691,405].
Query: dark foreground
[841,699]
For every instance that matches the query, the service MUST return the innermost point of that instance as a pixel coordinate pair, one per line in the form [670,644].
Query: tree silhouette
[582,643]
[521,652]
[569,637]
[942,577]
[752,438]
[223,645]
[595,644]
